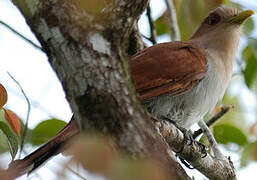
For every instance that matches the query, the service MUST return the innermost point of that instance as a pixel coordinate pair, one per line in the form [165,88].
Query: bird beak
[241,17]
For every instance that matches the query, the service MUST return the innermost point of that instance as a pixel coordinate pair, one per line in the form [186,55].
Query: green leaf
[13,141]
[235,117]
[250,71]
[226,133]
[248,26]
[3,96]
[232,4]
[247,53]
[46,130]
[4,145]
[249,154]
[250,56]
[253,44]
[161,25]
[8,136]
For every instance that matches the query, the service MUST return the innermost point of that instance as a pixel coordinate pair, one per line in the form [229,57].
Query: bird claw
[188,137]
[201,145]
[203,149]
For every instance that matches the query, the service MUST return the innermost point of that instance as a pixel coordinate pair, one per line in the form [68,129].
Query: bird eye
[212,19]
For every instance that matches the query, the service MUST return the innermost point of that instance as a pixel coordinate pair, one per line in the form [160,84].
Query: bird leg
[187,135]
[211,139]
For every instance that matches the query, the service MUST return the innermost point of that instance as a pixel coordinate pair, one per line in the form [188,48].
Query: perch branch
[210,166]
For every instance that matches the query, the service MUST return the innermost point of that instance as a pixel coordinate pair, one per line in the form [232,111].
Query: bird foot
[203,148]
[212,141]
[203,151]
[188,139]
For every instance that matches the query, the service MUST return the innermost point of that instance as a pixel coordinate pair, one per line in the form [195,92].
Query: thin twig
[151,24]
[28,113]
[172,16]
[21,36]
[33,103]
[74,172]
[147,38]
[221,113]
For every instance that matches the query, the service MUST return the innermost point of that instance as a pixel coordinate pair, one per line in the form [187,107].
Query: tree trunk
[89,44]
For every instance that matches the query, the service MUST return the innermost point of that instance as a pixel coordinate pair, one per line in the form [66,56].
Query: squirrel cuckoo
[180,81]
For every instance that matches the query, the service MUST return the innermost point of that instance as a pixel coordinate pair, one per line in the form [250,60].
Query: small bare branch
[151,24]
[21,36]
[172,16]
[76,173]
[217,116]
[28,112]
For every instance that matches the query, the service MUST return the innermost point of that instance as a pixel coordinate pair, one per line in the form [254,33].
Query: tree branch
[208,165]
[172,16]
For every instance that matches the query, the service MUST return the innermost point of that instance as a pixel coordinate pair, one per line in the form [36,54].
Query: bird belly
[187,109]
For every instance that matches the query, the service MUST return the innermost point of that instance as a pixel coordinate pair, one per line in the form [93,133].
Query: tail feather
[53,147]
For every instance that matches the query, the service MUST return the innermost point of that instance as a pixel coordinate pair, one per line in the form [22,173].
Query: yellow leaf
[13,120]
[3,96]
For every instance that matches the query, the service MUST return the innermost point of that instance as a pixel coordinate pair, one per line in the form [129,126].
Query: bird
[183,81]
[178,81]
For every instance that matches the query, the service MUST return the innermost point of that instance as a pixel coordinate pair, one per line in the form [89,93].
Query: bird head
[221,29]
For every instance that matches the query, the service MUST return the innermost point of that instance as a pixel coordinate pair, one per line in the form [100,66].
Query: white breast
[190,107]
[203,97]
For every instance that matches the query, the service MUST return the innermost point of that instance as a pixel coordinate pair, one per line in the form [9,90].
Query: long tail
[45,152]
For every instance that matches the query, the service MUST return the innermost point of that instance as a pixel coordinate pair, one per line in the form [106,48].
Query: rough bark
[208,165]
[88,47]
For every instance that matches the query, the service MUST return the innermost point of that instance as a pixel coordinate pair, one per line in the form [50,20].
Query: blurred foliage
[11,129]
[9,126]
[250,56]
[97,154]
[249,154]
[223,134]
[3,96]
[8,136]
[190,14]
[13,121]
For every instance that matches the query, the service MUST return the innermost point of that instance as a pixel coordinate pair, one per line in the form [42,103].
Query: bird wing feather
[173,68]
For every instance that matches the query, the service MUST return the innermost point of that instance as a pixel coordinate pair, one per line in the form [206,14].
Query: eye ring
[213,19]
